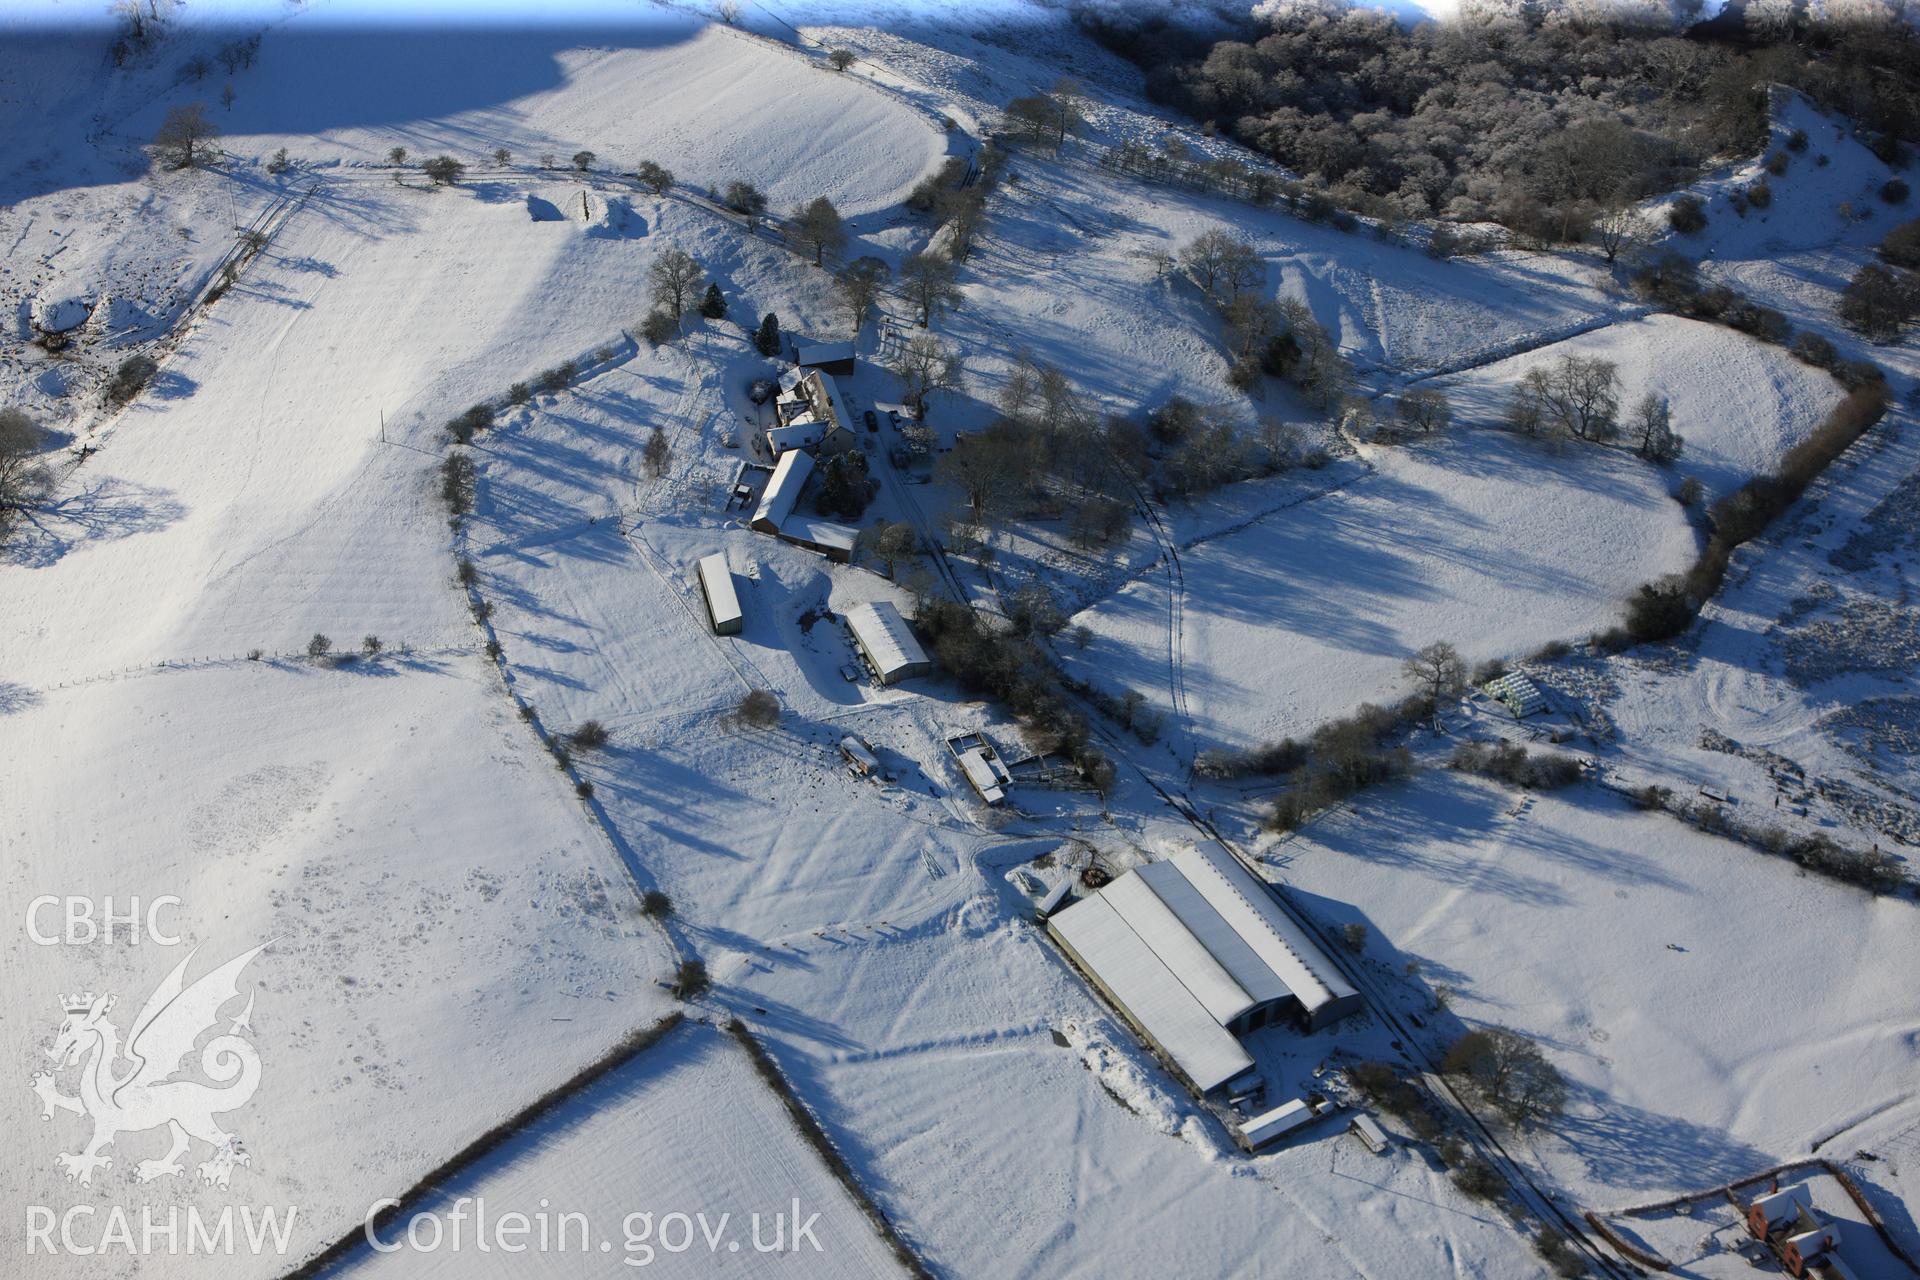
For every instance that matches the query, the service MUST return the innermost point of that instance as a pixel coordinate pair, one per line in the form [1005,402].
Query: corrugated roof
[1168,937]
[776,504]
[884,634]
[1280,943]
[1151,995]
[1225,945]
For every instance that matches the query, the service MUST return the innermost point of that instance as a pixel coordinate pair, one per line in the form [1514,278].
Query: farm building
[1195,951]
[1805,1240]
[832,357]
[776,503]
[1273,1125]
[723,603]
[1521,695]
[884,638]
[981,765]
[834,541]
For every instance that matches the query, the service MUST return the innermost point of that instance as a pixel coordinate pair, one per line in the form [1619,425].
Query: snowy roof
[717,580]
[1269,1125]
[1784,1203]
[798,434]
[776,504]
[973,762]
[1370,1132]
[1220,939]
[825,353]
[885,636]
[821,533]
[1249,907]
[1166,936]
[827,403]
[1143,985]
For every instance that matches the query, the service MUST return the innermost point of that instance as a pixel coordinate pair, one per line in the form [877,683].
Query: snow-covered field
[1738,403]
[1697,1052]
[1489,543]
[687,1129]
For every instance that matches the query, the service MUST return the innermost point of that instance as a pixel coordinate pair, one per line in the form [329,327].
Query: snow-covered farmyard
[371,751]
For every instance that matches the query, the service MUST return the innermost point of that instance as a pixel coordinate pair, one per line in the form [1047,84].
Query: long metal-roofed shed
[782,491]
[887,642]
[1196,952]
[723,603]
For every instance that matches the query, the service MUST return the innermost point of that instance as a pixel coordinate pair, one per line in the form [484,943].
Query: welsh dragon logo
[145,1095]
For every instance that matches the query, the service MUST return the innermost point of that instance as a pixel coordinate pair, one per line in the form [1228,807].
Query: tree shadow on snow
[103,511]
[1635,1149]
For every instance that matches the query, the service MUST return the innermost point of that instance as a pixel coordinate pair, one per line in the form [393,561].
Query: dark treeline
[1541,125]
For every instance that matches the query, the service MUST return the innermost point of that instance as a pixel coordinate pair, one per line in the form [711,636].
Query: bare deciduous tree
[184,136]
[817,223]
[657,453]
[927,281]
[746,200]
[859,284]
[1439,671]
[1222,264]
[1653,424]
[672,279]
[1425,409]
[925,366]
[1509,1071]
[25,480]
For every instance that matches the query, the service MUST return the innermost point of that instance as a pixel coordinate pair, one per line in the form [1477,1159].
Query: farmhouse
[887,643]
[830,357]
[1196,952]
[809,414]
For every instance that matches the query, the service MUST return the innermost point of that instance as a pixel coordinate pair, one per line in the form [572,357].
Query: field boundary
[631,1046]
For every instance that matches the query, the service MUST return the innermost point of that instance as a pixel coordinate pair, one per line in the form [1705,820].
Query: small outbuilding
[887,643]
[834,357]
[1368,1130]
[1521,695]
[723,603]
[834,541]
[1270,1126]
